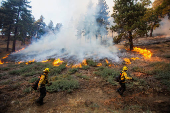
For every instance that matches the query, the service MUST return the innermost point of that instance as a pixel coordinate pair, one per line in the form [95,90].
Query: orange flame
[5,56]
[80,65]
[77,66]
[127,61]
[57,62]
[45,61]
[20,62]
[99,64]
[19,50]
[135,58]
[84,62]
[1,62]
[30,62]
[108,63]
[146,53]
[67,66]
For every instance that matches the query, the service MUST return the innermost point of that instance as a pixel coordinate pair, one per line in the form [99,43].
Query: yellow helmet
[47,70]
[125,68]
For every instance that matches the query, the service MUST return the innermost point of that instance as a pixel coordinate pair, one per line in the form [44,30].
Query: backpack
[35,84]
[118,78]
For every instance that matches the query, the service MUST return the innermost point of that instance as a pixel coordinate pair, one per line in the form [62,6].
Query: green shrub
[29,74]
[100,68]
[33,79]
[73,70]
[63,85]
[2,74]
[161,71]
[91,63]
[27,90]
[85,67]
[4,69]
[63,77]
[107,72]
[57,70]
[111,80]
[82,76]
[15,72]
[137,69]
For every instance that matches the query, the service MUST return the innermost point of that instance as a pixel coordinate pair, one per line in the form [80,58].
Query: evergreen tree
[7,19]
[25,26]
[40,27]
[162,7]
[127,15]
[58,27]
[51,26]
[102,17]
[152,19]
[21,8]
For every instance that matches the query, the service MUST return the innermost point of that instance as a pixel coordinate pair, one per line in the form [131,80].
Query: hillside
[90,89]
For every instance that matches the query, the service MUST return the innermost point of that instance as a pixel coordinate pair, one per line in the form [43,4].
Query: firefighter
[41,86]
[122,81]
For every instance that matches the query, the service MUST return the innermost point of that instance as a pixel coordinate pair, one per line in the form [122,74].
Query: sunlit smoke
[164,28]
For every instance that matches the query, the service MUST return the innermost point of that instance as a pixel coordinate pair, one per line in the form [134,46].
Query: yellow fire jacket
[124,76]
[43,80]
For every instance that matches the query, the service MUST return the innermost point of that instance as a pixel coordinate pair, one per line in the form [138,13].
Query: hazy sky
[59,10]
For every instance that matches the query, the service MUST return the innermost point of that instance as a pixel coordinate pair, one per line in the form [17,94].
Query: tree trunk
[130,40]
[14,40]
[16,30]
[151,31]
[9,34]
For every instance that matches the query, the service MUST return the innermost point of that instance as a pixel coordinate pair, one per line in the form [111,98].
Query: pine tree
[51,26]
[7,19]
[102,17]
[127,15]
[40,27]
[21,8]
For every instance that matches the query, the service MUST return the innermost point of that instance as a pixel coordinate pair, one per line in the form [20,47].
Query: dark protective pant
[42,95]
[122,88]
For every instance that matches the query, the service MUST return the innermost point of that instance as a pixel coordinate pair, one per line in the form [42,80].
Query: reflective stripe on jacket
[124,76]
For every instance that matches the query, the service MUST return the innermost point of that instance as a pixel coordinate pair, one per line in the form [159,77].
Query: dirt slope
[95,95]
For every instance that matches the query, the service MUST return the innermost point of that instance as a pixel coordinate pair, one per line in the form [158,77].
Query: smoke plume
[164,28]
[76,39]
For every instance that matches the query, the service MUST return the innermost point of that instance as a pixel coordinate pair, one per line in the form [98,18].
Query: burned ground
[95,93]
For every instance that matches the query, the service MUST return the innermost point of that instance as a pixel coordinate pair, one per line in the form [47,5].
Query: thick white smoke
[164,27]
[67,44]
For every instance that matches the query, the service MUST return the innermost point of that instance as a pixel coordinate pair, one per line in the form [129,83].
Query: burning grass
[146,53]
